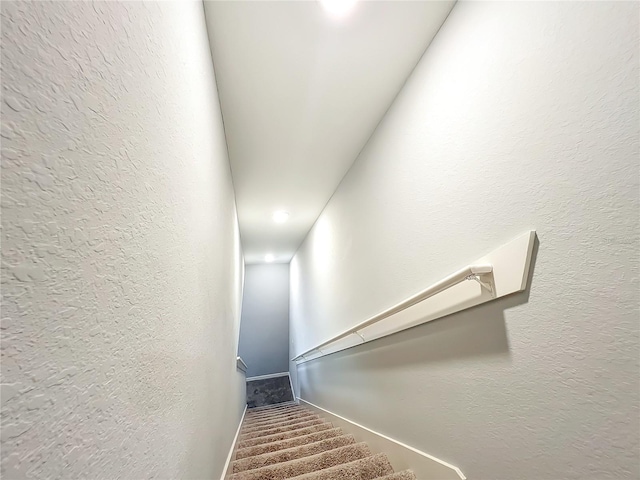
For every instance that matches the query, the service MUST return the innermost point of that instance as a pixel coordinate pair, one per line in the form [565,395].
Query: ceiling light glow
[338,8]
[269,257]
[280,216]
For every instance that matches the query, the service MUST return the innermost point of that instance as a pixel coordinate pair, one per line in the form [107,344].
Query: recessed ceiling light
[280,216]
[269,257]
[338,8]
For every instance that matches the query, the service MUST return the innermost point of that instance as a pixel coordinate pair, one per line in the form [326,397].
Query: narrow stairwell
[287,441]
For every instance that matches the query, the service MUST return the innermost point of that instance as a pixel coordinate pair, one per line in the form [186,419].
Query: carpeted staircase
[290,441]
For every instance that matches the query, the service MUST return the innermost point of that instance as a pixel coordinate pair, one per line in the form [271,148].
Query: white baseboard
[293,393]
[401,456]
[233,446]
[264,377]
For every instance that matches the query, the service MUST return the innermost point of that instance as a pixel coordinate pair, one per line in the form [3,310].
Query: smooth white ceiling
[301,92]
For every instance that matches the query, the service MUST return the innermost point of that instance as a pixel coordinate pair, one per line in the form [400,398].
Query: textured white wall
[264,329]
[121,261]
[519,115]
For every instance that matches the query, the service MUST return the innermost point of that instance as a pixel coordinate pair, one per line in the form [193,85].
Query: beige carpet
[289,441]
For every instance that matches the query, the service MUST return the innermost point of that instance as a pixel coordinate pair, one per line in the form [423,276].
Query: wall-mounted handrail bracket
[486,285]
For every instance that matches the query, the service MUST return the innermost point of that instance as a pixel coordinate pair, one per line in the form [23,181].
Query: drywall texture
[264,329]
[519,116]
[121,261]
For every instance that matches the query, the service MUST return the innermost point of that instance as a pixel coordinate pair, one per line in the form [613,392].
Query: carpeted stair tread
[254,432]
[279,416]
[280,429]
[287,443]
[273,411]
[273,407]
[403,475]
[299,451]
[276,414]
[368,468]
[283,421]
[279,413]
[262,426]
[313,463]
[251,442]
[284,418]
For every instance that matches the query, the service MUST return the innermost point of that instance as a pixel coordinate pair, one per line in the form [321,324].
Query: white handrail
[471,272]
[241,365]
